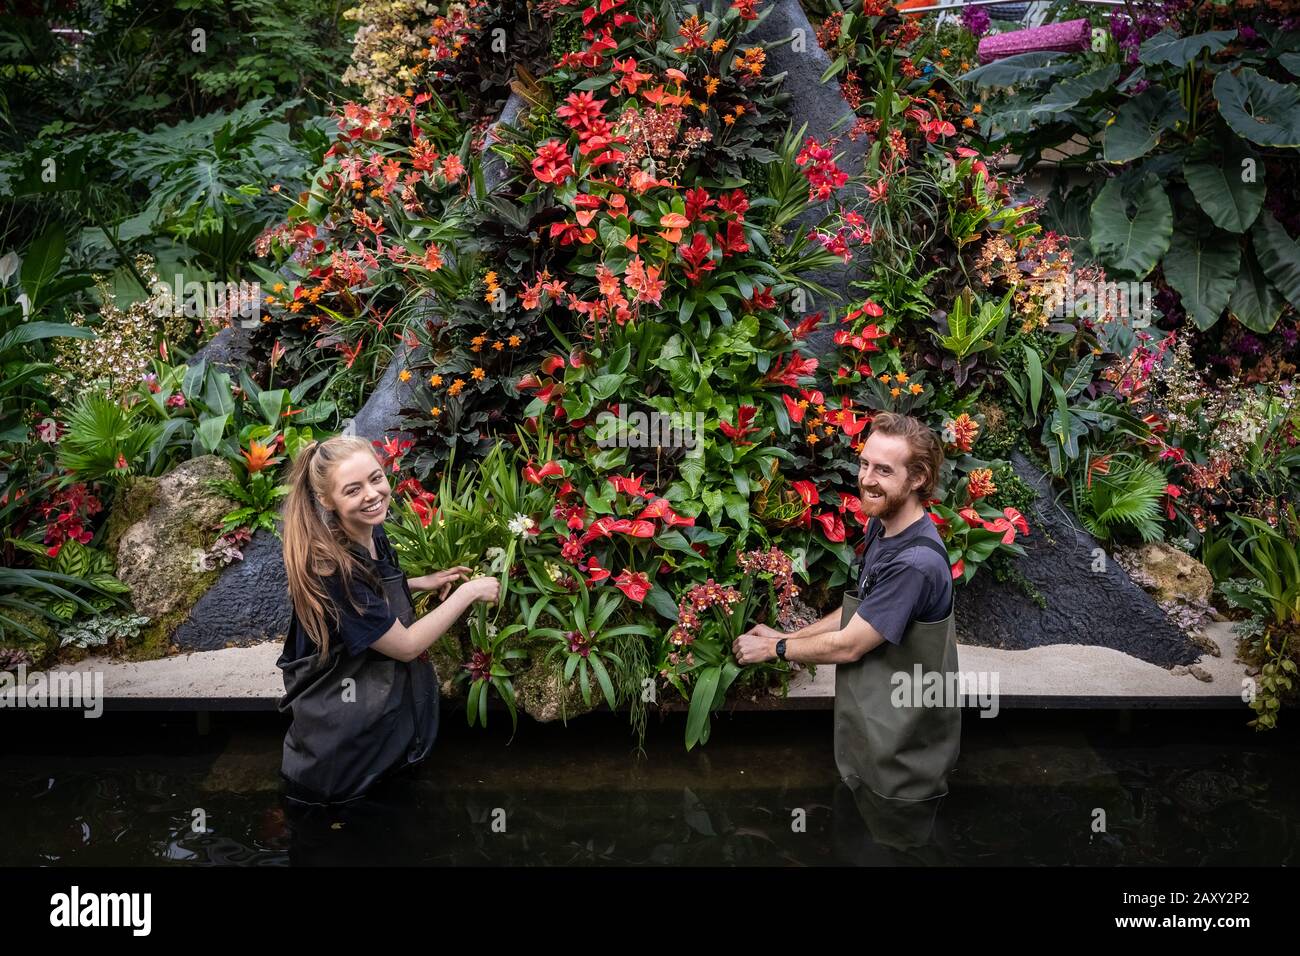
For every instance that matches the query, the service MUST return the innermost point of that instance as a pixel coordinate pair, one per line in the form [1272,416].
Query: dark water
[1176,789]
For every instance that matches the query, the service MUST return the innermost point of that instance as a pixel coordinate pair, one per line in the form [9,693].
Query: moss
[47,634]
[131,504]
[155,638]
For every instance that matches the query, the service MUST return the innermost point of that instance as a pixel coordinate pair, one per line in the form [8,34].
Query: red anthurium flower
[959,568]
[534,476]
[637,529]
[628,486]
[971,517]
[1017,520]
[595,573]
[793,408]
[1001,526]
[551,363]
[635,586]
[807,491]
[656,509]
[832,525]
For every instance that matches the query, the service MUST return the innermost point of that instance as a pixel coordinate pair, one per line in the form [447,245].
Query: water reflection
[767,794]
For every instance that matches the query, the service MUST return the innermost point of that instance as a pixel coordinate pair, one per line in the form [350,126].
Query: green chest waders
[890,741]
[356,719]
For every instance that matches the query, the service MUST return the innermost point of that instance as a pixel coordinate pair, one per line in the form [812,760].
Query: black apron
[898,752]
[345,736]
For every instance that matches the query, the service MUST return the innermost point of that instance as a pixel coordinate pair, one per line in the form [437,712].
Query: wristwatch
[780,649]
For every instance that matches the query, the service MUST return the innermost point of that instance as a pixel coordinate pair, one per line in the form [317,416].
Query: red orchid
[635,586]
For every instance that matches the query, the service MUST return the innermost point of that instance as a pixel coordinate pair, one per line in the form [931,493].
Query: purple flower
[976,20]
[1249,345]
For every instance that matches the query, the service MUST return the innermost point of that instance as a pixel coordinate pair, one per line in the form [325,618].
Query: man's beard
[883,508]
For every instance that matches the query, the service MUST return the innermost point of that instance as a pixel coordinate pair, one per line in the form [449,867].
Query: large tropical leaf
[1166,48]
[1227,180]
[1255,302]
[1255,107]
[1022,69]
[1279,256]
[1202,266]
[1132,234]
[1138,125]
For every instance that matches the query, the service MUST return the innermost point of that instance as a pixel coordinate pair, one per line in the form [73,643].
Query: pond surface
[1175,789]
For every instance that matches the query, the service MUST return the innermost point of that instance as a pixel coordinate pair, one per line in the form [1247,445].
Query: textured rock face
[178,515]
[248,604]
[1170,574]
[1088,597]
[539,695]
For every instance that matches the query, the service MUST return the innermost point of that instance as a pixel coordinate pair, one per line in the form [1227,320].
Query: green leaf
[1021,69]
[697,717]
[1216,173]
[1279,256]
[210,432]
[1132,242]
[1166,48]
[1202,266]
[1140,122]
[1254,302]
[41,264]
[1255,107]
[662,602]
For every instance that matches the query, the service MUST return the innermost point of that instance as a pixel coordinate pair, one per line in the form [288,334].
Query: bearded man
[896,629]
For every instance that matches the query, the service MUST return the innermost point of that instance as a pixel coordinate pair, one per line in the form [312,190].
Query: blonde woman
[357,678]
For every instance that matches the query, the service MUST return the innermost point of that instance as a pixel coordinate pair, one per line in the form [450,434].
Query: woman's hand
[485,589]
[441,581]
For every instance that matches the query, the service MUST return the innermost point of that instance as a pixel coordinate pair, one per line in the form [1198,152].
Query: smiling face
[360,495]
[883,483]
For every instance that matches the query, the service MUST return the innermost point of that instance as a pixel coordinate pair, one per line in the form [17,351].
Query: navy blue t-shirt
[356,630]
[913,583]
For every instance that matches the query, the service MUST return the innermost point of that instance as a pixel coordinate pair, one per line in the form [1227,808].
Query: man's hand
[441,581]
[752,648]
[762,630]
